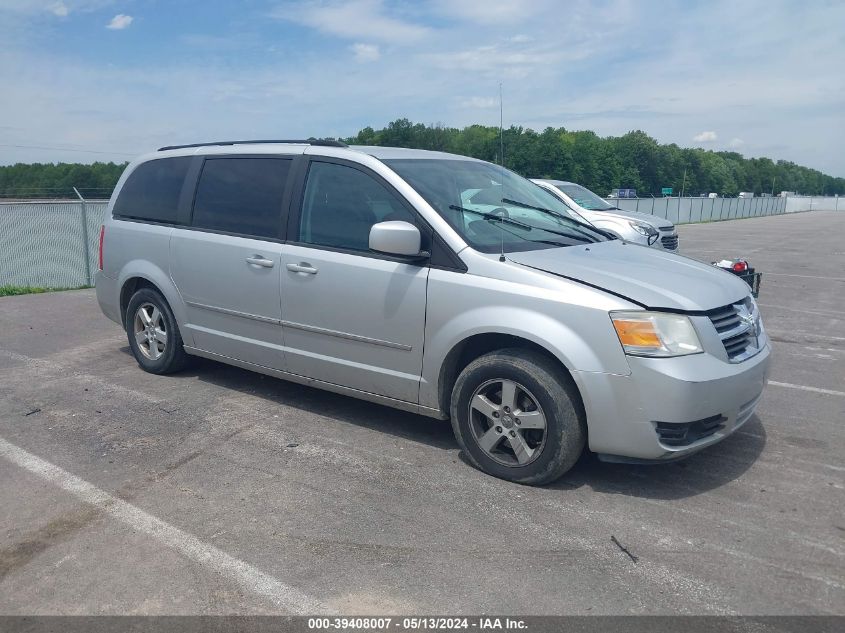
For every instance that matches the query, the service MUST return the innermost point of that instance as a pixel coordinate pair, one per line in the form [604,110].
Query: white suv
[640,228]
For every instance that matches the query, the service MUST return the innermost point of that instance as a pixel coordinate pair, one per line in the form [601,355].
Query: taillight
[100,248]
[740,266]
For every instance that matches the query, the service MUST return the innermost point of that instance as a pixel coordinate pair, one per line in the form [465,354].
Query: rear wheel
[154,337]
[516,417]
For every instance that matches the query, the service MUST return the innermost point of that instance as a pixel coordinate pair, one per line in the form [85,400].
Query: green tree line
[57,180]
[632,161]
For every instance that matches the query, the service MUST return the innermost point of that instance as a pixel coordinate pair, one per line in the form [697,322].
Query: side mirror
[396,238]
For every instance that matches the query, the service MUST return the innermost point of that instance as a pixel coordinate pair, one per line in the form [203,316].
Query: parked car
[640,228]
[383,274]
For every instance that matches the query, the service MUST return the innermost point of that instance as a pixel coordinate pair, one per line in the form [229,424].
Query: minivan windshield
[492,208]
[585,198]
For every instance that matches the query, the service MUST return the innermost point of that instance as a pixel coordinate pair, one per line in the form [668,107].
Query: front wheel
[517,417]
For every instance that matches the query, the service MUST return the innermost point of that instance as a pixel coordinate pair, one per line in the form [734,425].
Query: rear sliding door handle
[258,260]
[302,268]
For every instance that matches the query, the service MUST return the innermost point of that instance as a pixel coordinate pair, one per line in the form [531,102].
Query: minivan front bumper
[668,408]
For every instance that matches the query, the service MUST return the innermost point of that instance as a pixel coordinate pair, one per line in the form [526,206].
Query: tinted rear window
[152,191]
[241,195]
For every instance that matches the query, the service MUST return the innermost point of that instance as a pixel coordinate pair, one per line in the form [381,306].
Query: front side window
[493,208]
[342,203]
[152,190]
[241,195]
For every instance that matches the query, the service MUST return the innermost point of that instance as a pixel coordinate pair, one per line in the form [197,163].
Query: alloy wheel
[150,331]
[507,422]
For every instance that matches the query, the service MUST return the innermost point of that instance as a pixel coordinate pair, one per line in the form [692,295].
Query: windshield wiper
[528,227]
[494,217]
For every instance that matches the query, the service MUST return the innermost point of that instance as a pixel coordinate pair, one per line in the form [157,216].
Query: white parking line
[804,276]
[785,334]
[827,313]
[789,385]
[254,580]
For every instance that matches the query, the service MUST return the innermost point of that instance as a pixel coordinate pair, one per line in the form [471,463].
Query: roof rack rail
[313,141]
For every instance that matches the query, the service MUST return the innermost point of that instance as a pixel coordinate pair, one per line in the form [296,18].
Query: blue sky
[84,80]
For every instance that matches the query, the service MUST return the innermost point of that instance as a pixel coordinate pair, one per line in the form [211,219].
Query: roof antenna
[502,162]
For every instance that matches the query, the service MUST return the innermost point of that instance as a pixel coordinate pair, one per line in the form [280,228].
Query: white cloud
[736,142]
[705,137]
[352,19]
[502,60]
[120,22]
[494,12]
[365,52]
[59,9]
[480,102]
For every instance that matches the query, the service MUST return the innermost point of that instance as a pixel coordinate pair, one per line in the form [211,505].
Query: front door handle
[258,260]
[302,268]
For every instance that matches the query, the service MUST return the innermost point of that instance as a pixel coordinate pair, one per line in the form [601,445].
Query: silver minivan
[636,227]
[434,283]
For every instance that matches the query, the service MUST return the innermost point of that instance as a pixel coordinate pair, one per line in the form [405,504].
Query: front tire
[154,337]
[517,417]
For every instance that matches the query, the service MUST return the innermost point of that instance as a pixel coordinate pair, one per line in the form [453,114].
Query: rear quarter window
[152,190]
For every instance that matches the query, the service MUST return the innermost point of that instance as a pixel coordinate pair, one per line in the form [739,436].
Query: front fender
[573,326]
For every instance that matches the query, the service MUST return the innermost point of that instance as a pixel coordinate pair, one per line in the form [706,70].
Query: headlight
[655,334]
[644,229]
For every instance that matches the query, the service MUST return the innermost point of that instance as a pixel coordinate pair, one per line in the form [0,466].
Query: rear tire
[153,335]
[517,417]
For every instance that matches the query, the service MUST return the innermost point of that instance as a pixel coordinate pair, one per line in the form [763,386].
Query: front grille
[685,433]
[725,319]
[670,242]
[737,326]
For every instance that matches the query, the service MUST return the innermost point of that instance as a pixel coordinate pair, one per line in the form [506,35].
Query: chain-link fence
[50,244]
[689,210]
[54,244]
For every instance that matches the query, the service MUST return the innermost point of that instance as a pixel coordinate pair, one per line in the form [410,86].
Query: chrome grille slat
[737,334]
[735,344]
[730,327]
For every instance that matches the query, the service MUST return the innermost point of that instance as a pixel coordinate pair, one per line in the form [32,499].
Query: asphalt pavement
[222,491]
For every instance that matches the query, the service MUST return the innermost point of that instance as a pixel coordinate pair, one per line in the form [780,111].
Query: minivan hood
[654,220]
[650,277]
